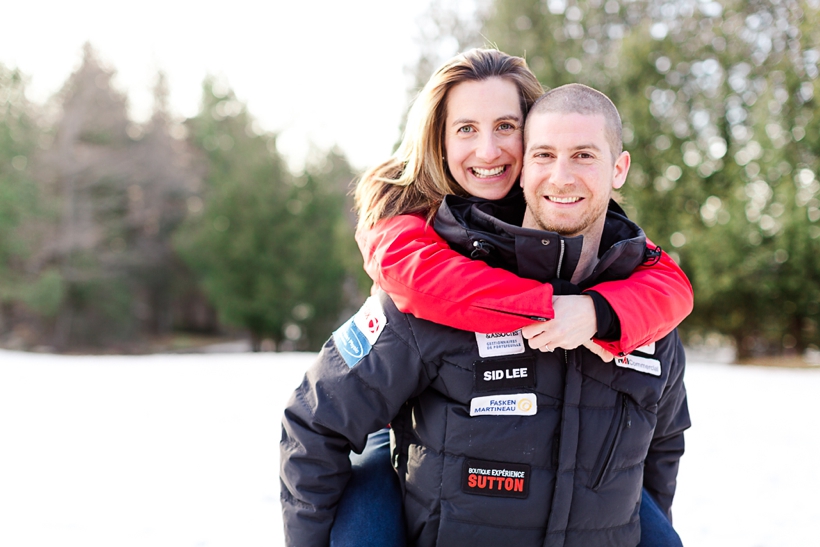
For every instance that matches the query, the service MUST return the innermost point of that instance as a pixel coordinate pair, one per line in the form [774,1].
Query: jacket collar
[491,231]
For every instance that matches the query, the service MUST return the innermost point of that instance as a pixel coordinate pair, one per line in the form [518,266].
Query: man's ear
[621,169]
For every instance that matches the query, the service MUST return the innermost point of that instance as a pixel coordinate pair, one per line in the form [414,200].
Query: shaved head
[581,99]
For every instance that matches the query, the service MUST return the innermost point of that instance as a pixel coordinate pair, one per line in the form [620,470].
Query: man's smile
[563,199]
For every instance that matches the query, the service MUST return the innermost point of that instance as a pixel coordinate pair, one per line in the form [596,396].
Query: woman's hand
[574,325]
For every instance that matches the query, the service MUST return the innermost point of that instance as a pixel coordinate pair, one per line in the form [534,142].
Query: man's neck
[589,256]
[589,252]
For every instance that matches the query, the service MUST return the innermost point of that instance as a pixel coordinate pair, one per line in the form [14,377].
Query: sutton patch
[497,344]
[499,479]
[506,374]
[356,337]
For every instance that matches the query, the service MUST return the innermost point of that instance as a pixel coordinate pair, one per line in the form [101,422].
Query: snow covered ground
[182,451]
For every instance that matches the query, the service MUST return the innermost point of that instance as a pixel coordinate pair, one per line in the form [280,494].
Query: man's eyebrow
[587,147]
[549,147]
[540,147]
[499,119]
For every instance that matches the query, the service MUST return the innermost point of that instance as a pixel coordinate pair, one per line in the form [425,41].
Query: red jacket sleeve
[425,277]
[416,267]
[649,304]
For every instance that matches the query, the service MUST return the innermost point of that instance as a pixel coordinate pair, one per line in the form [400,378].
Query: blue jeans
[370,511]
[656,530]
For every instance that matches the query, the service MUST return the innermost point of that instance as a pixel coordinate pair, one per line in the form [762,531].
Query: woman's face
[482,136]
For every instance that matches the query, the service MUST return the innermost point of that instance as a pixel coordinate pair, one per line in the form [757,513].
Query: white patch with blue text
[500,343]
[356,337]
[516,404]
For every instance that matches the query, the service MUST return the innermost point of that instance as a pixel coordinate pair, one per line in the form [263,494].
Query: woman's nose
[488,149]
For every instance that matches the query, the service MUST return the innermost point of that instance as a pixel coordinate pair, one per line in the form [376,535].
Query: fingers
[599,351]
[574,323]
[534,329]
[547,336]
[543,344]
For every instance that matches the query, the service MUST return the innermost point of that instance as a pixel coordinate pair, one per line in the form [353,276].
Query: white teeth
[477,171]
[556,199]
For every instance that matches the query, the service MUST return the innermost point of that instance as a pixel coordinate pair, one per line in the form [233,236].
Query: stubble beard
[567,228]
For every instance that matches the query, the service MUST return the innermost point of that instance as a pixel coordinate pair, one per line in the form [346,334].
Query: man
[494,443]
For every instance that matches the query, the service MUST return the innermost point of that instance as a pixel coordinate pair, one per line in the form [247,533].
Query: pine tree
[265,243]
[20,290]
[121,190]
[165,175]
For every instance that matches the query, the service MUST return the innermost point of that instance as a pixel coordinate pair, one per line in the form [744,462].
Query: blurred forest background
[124,236]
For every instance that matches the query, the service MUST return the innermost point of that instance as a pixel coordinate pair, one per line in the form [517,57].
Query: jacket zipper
[560,260]
[623,418]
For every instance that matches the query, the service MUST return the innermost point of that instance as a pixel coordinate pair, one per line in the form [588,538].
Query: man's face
[569,173]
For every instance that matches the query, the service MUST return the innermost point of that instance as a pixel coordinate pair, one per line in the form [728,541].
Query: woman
[464,136]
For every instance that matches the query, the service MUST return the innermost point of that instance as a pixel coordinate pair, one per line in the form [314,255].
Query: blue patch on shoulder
[351,343]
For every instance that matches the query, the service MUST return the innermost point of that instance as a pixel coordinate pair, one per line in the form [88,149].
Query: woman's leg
[656,530]
[370,511]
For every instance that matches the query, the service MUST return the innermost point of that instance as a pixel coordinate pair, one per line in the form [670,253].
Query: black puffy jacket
[495,444]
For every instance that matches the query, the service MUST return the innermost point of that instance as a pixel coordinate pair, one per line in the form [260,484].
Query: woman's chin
[488,189]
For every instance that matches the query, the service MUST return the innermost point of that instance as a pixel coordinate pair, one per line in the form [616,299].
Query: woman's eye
[465,129]
[506,127]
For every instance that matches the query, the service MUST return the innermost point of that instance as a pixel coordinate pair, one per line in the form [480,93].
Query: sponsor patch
[504,480]
[514,404]
[641,364]
[506,374]
[500,343]
[647,350]
[356,337]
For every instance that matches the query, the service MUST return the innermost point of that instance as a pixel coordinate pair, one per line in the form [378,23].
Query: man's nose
[488,148]
[562,172]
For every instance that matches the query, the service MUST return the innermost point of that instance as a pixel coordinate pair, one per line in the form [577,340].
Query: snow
[182,450]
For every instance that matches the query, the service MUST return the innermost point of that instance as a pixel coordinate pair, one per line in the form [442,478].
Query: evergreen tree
[164,173]
[19,208]
[121,189]
[330,259]
[265,243]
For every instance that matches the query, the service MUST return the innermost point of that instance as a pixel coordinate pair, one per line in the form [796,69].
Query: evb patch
[356,337]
